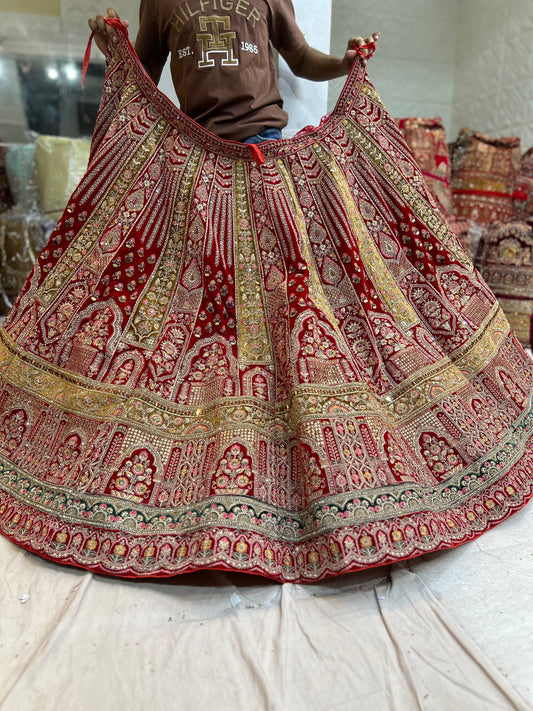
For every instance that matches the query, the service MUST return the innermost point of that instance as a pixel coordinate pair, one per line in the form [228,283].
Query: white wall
[306,102]
[414,65]
[468,61]
[494,70]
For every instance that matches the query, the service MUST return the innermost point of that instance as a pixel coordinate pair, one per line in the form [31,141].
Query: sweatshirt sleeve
[150,44]
[285,34]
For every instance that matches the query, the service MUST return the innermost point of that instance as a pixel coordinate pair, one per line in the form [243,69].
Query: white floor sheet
[452,631]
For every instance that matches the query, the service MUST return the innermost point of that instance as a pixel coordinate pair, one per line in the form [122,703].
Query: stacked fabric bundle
[36,180]
[485,191]
[478,180]
[484,171]
[523,195]
[492,187]
[505,258]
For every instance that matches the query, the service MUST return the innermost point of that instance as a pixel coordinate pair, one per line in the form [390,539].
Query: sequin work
[288,368]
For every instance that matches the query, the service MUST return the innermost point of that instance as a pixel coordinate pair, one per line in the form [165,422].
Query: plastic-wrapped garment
[6,199]
[61,164]
[523,197]
[505,260]
[484,174]
[21,226]
[21,240]
[273,360]
[21,176]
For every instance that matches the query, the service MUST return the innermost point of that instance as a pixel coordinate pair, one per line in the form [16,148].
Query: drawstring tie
[114,22]
[370,47]
[256,152]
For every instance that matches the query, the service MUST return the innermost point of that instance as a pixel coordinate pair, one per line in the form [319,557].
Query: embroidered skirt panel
[288,367]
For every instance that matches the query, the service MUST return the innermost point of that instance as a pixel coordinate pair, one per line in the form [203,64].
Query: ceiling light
[71,72]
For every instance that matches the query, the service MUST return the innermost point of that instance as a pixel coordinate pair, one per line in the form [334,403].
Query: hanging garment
[276,360]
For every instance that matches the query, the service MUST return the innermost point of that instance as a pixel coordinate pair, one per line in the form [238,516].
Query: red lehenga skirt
[286,367]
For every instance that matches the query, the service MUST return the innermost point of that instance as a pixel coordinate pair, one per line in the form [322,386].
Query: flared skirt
[279,361]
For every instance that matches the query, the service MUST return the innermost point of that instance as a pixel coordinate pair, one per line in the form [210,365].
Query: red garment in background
[426,138]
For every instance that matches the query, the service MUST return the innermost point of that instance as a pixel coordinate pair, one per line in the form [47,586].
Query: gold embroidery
[111,402]
[428,386]
[254,345]
[372,94]
[254,515]
[316,291]
[144,325]
[95,226]
[427,214]
[386,286]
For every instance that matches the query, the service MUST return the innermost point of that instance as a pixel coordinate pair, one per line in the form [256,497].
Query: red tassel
[86,59]
[256,153]
[371,47]
[114,22]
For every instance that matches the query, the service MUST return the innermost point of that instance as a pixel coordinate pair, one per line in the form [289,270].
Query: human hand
[351,53]
[104,32]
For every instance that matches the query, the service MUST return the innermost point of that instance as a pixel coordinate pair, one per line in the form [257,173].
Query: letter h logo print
[218,41]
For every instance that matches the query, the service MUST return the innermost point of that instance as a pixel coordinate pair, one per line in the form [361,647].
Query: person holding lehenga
[272,357]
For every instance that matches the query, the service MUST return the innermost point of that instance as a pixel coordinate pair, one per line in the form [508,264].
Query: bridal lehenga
[276,360]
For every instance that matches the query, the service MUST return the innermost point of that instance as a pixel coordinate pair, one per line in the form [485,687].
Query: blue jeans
[267,134]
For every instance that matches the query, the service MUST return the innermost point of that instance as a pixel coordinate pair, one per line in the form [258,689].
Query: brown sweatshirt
[221,58]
